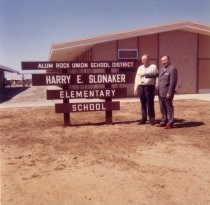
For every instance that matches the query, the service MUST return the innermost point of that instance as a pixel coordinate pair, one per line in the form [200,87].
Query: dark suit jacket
[167,81]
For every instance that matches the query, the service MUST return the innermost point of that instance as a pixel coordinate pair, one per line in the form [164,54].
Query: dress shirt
[151,73]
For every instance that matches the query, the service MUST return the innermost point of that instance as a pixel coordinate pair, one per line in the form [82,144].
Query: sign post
[66,115]
[108,113]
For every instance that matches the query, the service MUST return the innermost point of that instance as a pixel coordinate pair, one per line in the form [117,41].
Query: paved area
[36,97]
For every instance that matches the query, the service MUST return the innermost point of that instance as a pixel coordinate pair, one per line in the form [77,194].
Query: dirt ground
[91,163]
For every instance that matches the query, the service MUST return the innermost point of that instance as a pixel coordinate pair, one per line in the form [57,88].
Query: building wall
[131,43]
[181,46]
[149,44]
[204,64]
[105,51]
[204,47]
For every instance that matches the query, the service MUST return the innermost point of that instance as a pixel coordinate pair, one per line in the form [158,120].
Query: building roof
[70,49]
[7,69]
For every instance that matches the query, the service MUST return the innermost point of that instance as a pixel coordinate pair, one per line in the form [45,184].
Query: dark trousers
[167,110]
[146,95]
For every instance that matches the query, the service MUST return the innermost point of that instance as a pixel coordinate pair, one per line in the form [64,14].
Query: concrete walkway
[41,102]
[36,97]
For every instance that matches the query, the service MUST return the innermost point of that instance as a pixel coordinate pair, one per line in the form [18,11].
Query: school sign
[80,74]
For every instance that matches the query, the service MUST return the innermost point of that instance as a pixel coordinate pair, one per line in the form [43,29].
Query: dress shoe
[152,122]
[168,126]
[142,122]
[160,125]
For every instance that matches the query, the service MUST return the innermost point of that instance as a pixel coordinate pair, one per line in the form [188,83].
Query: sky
[29,27]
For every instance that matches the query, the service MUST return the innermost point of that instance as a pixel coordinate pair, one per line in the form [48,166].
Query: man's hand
[168,96]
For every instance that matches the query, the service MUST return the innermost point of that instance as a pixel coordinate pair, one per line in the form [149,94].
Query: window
[127,54]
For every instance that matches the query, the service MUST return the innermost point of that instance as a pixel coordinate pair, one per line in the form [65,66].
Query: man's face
[165,61]
[145,60]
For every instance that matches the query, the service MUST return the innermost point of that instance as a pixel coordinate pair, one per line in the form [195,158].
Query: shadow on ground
[8,93]
[180,123]
[103,123]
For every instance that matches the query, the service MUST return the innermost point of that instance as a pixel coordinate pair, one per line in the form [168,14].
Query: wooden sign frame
[59,76]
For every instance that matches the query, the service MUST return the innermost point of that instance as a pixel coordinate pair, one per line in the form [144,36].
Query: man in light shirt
[145,82]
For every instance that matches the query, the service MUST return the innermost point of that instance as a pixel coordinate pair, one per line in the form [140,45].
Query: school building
[187,43]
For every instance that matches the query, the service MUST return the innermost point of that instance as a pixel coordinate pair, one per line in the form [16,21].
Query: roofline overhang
[90,41]
[7,69]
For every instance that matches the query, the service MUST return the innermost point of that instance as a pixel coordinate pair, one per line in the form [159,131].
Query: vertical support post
[108,113]
[197,66]
[66,116]
[158,50]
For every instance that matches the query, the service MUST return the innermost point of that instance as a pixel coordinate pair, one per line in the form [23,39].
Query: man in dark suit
[167,81]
